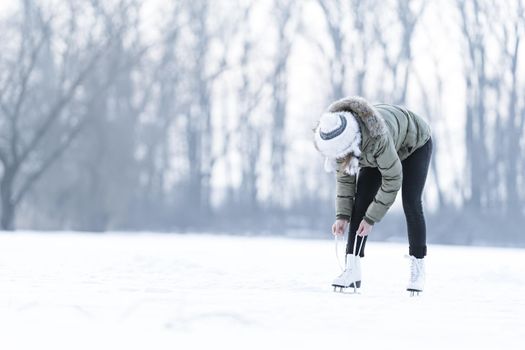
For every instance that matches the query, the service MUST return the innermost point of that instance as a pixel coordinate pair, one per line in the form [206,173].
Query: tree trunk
[7,220]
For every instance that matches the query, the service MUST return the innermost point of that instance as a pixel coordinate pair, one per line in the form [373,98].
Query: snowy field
[154,291]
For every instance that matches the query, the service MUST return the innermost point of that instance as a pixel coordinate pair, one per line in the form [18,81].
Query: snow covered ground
[159,291]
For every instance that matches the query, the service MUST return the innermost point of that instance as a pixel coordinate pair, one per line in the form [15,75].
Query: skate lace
[337,255]
[343,269]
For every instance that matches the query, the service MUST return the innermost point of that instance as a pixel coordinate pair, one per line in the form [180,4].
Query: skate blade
[346,290]
[414,292]
[357,284]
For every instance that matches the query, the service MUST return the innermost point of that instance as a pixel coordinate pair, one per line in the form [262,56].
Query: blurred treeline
[196,114]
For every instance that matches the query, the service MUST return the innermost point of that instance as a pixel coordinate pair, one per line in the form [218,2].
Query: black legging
[415,169]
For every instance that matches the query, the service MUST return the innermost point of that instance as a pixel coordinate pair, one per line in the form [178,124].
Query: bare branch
[50,160]
[4,159]
[57,109]
[15,114]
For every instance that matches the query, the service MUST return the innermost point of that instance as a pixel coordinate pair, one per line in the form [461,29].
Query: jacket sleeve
[391,171]
[345,193]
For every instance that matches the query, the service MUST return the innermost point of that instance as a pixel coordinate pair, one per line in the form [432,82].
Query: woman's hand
[339,227]
[364,228]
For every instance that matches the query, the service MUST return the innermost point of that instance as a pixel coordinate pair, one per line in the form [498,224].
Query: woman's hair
[346,160]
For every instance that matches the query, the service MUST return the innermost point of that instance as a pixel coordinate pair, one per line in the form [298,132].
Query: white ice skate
[351,276]
[416,283]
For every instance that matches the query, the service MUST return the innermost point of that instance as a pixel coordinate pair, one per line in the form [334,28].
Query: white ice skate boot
[416,283]
[351,276]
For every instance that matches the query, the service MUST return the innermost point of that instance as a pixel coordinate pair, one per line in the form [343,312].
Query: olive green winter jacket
[389,134]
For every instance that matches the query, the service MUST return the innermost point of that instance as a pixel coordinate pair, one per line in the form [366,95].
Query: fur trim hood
[362,109]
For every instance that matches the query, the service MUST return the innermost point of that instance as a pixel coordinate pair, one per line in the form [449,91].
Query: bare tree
[363,40]
[334,16]
[108,192]
[510,129]
[351,38]
[249,95]
[432,104]
[167,102]
[399,61]
[493,75]
[32,116]
[477,82]
[207,29]
[285,15]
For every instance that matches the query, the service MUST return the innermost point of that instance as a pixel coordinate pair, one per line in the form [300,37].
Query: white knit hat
[336,136]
